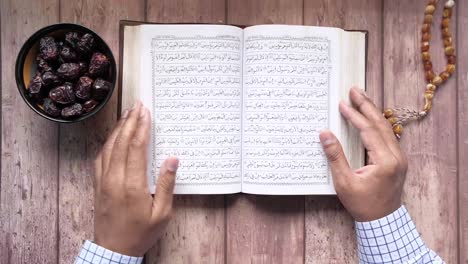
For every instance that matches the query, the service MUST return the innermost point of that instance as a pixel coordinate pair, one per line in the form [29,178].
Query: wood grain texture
[327,222]
[28,198]
[430,190]
[79,143]
[245,12]
[196,231]
[264,229]
[190,11]
[462,41]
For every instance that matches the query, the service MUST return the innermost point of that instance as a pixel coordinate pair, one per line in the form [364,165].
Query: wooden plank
[79,143]
[431,181]
[28,198]
[327,222]
[196,231]
[190,11]
[265,229]
[462,40]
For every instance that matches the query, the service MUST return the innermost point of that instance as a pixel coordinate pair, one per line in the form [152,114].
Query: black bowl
[26,66]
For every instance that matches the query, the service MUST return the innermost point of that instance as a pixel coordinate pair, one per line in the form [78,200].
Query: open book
[243,108]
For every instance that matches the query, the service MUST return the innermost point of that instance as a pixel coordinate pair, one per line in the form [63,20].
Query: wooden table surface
[46,202]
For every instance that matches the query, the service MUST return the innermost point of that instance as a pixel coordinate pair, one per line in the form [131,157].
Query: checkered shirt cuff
[392,239]
[93,254]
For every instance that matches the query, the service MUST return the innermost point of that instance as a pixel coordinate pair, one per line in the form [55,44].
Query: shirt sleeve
[93,254]
[393,239]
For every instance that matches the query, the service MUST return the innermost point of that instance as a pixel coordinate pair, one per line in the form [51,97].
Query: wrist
[115,246]
[377,215]
[371,214]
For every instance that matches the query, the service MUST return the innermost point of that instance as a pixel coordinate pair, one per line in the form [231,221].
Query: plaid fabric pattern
[393,239]
[93,254]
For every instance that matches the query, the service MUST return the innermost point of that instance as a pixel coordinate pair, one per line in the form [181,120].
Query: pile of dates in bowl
[72,74]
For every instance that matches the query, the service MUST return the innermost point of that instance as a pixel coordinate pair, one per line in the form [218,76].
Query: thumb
[165,187]
[335,155]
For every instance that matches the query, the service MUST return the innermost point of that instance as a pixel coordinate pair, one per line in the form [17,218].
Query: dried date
[50,108]
[42,64]
[63,94]
[83,68]
[83,88]
[35,87]
[86,44]
[72,39]
[67,54]
[74,110]
[69,71]
[99,64]
[51,79]
[49,49]
[100,89]
[89,106]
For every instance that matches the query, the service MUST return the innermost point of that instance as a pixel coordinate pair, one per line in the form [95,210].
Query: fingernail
[172,164]
[362,92]
[343,104]
[327,138]
[125,114]
[328,142]
[143,112]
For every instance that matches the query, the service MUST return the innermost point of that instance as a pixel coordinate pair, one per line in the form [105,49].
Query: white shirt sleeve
[393,239]
[93,254]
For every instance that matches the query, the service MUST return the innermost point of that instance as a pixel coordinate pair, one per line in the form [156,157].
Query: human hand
[127,219]
[373,191]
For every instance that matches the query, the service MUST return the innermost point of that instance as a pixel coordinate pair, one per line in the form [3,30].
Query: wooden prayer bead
[446,33]
[427,105]
[388,113]
[450,68]
[393,120]
[431,87]
[430,9]
[430,75]
[426,56]
[427,66]
[432,2]
[428,19]
[447,13]
[426,28]
[450,50]
[437,80]
[447,42]
[445,22]
[398,129]
[444,75]
[452,59]
[426,37]
[425,46]
[429,95]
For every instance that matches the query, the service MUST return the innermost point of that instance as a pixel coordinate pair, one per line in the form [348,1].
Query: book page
[289,85]
[192,79]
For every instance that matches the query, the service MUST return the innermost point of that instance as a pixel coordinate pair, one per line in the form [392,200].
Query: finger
[374,115]
[107,148]
[138,152]
[370,136]
[163,197]
[118,159]
[336,158]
